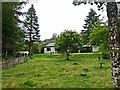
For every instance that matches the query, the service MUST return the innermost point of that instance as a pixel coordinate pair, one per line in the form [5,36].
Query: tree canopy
[68,40]
[88,26]
[97,38]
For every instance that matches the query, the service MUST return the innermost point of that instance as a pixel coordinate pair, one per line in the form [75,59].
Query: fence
[12,61]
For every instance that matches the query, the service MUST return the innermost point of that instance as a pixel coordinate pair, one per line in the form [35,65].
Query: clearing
[53,71]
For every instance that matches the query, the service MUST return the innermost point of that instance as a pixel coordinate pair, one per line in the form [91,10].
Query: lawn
[53,71]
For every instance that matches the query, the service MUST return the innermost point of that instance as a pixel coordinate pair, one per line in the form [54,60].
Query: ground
[53,71]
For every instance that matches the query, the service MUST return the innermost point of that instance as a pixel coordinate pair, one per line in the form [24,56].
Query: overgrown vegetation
[52,71]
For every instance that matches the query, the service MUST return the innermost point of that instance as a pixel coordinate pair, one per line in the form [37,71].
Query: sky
[54,16]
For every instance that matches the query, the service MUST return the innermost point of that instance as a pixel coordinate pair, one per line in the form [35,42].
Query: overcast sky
[55,16]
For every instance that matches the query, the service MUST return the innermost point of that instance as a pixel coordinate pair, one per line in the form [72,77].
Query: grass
[53,71]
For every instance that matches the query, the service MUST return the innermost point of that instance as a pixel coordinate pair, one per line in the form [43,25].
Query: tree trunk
[30,48]
[114,43]
[30,43]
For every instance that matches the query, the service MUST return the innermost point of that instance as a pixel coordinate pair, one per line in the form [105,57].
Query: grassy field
[53,71]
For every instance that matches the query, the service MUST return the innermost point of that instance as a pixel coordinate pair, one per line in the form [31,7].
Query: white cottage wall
[95,49]
[52,50]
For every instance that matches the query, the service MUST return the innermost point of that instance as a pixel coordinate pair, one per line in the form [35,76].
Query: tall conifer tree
[31,27]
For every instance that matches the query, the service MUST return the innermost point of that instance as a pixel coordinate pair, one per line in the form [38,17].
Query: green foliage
[90,20]
[68,40]
[12,34]
[35,47]
[99,36]
[52,71]
[88,26]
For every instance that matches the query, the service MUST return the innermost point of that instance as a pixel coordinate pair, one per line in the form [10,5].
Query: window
[48,49]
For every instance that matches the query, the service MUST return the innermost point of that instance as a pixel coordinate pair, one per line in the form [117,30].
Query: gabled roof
[50,44]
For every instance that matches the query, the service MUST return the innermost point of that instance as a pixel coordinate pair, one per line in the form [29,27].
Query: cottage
[49,48]
[86,48]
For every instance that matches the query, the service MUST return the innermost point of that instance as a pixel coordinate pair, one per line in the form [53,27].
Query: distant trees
[31,28]
[54,36]
[68,40]
[88,26]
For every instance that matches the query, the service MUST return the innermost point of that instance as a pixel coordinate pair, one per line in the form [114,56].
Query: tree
[96,37]
[89,23]
[68,40]
[54,36]
[12,34]
[31,27]
[113,37]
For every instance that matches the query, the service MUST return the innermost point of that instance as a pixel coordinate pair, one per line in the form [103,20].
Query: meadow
[83,70]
